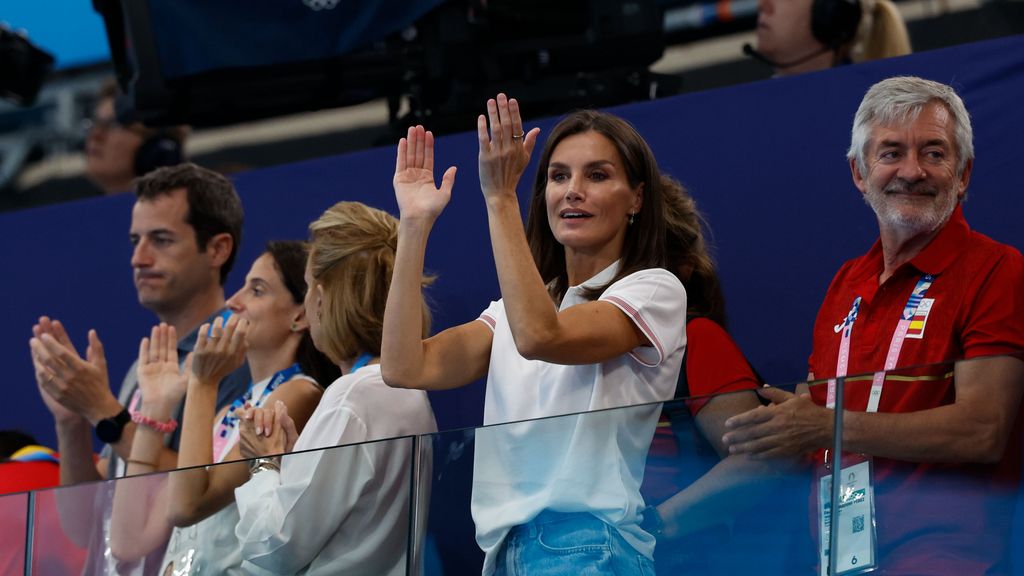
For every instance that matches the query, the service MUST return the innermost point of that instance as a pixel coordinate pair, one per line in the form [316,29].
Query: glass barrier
[686,482]
[722,513]
[718,515]
[338,510]
[706,511]
[13,525]
[929,481]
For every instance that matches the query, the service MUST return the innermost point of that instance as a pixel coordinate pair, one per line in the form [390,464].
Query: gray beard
[925,221]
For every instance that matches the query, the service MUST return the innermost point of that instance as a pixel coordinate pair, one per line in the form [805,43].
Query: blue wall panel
[766,162]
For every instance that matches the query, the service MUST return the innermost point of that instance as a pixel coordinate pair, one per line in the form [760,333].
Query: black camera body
[25,67]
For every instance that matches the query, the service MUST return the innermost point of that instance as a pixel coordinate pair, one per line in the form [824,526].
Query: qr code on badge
[858,523]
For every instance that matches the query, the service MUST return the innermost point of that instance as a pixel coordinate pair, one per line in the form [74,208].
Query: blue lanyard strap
[917,295]
[851,317]
[230,419]
[361,361]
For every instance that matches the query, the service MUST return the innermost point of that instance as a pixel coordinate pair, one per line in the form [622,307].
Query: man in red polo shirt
[943,438]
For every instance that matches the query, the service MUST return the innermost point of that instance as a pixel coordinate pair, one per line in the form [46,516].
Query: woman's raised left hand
[505,150]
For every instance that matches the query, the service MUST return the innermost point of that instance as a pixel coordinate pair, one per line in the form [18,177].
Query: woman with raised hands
[339,510]
[589,319]
[268,329]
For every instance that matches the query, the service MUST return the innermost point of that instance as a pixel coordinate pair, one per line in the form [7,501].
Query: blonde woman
[882,32]
[798,36]
[341,510]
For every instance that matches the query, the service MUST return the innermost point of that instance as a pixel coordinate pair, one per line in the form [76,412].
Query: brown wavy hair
[689,256]
[352,255]
[644,244]
[668,231]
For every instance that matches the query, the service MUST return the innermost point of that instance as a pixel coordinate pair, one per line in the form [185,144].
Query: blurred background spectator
[797,36]
[118,148]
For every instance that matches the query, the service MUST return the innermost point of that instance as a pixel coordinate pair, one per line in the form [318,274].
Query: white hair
[899,100]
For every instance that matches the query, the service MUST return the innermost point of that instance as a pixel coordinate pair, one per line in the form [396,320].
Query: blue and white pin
[851,316]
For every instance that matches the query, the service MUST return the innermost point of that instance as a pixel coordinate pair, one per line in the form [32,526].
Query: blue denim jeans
[571,544]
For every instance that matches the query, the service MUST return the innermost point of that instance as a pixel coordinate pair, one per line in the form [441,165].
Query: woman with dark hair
[590,318]
[270,330]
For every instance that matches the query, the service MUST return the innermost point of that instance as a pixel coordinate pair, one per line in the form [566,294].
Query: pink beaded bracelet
[161,427]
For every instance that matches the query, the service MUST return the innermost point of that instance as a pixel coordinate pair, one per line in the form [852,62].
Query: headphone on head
[161,148]
[834,22]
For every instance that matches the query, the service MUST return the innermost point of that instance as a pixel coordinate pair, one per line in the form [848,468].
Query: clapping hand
[415,191]
[69,384]
[266,431]
[161,381]
[45,377]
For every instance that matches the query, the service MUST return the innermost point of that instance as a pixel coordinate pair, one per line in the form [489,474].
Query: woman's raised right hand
[415,191]
[220,349]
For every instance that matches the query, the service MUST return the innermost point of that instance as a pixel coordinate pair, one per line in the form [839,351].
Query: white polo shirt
[590,461]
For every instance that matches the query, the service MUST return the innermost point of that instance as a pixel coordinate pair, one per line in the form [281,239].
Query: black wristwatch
[651,521]
[109,429]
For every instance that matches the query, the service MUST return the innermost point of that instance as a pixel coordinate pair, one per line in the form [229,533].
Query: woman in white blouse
[589,319]
[342,510]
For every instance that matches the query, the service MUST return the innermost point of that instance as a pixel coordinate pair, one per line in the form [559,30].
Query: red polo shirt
[932,519]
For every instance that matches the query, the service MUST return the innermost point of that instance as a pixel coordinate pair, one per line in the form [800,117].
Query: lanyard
[361,361]
[895,345]
[282,376]
[225,432]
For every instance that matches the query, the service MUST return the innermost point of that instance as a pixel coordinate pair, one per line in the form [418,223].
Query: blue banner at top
[195,36]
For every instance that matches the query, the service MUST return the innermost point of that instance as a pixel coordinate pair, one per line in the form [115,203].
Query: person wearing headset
[118,148]
[797,36]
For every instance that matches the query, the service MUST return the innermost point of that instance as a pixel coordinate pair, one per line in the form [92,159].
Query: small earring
[631,214]
[295,326]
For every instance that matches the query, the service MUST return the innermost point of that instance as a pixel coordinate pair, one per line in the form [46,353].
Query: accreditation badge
[855,521]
